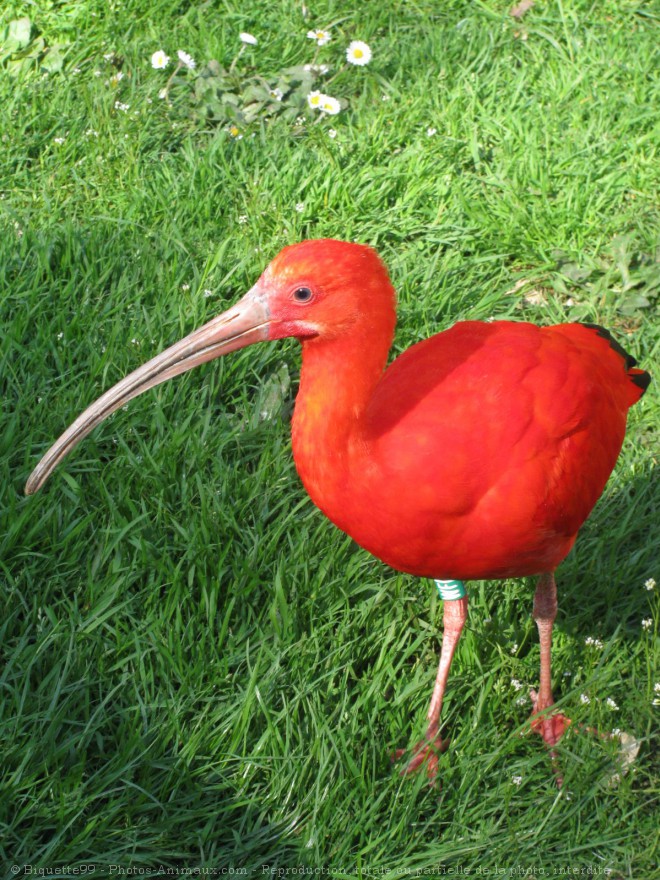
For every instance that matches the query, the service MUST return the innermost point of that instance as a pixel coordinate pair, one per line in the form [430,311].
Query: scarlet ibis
[477,454]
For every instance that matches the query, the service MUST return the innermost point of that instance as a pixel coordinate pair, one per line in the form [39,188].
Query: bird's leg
[426,751]
[551,727]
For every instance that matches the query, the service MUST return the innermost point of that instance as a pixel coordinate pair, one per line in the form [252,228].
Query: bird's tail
[639,379]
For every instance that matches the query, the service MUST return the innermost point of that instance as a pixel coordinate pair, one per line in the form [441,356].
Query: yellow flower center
[358,53]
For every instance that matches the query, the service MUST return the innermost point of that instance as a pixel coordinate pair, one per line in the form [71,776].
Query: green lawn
[200,671]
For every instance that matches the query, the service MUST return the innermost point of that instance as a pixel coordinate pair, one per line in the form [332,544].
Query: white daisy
[329,105]
[322,37]
[248,38]
[159,60]
[358,53]
[185,59]
[314,100]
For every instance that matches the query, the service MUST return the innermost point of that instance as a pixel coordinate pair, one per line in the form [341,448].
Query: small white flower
[650,584]
[521,701]
[322,37]
[567,674]
[517,685]
[616,731]
[248,38]
[162,94]
[109,56]
[76,70]
[431,131]
[595,643]
[585,698]
[91,133]
[358,53]
[185,286]
[610,702]
[516,780]
[186,59]
[332,133]
[300,120]
[135,342]
[59,141]
[116,78]
[317,68]
[314,100]
[570,302]
[243,219]
[159,60]
[514,648]
[278,94]
[60,335]
[656,687]
[208,293]
[329,105]
[300,207]
[122,107]
[647,623]
[385,98]
[97,73]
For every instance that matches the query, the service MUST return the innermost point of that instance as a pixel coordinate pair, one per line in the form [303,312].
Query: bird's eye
[302,294]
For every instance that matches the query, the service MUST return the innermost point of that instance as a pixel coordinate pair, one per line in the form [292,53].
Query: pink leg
[551,727]
[426,751]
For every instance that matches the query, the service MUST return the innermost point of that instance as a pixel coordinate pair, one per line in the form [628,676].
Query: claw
[425,752]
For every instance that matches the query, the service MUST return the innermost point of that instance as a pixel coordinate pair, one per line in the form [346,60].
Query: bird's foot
[551,728]
[424,754]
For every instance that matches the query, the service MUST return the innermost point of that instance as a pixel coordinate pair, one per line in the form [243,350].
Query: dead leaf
[521,8]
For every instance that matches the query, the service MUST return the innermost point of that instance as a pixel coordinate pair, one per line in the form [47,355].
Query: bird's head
[316,291]
[323,290]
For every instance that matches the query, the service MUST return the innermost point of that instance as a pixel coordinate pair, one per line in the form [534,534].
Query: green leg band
[451,590]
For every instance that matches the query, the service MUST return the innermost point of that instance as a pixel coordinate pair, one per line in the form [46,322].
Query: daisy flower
[330,105]
[186,59]
[322,37]
[248,38]
[314,100]
[358,53]
[159,60]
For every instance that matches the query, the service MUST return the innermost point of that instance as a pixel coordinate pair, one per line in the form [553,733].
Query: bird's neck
[337,380]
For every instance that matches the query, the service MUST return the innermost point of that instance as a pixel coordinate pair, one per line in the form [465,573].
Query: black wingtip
[618,348]
[640,378]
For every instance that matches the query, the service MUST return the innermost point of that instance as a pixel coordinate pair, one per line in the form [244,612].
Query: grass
[199,670]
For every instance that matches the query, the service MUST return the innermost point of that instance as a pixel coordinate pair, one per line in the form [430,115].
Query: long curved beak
[243,324]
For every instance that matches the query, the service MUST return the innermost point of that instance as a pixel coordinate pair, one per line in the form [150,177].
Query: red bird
[477,454]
